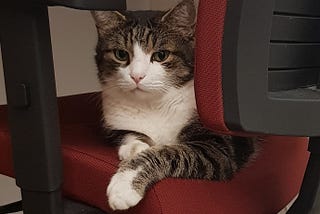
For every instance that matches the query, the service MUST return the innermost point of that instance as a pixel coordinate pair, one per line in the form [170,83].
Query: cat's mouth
[139,90]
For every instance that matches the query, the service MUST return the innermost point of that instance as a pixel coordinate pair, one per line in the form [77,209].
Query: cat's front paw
[131,149]
[120,192]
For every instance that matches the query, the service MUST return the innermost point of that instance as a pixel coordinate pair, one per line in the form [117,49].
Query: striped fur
[157,129]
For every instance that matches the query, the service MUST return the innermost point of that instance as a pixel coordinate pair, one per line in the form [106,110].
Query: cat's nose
[137,77]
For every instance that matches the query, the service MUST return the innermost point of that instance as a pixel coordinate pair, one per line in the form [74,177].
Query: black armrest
[90,4]
[271,67]
[31,95]
[32,106]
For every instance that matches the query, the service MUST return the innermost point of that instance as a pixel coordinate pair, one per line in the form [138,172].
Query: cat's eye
[121,55]
[160,56]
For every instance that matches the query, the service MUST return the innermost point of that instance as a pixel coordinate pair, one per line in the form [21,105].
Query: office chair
[240,89]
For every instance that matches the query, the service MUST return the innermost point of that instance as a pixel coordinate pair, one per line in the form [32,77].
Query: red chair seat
[264,187]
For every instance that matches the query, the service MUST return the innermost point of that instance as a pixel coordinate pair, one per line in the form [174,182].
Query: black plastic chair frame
[33,114]
[270,61]
[31,96]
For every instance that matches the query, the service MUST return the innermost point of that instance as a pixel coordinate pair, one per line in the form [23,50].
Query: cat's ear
[182,17]
[106,20]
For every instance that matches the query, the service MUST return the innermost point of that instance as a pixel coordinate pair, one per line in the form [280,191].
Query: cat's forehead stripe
[139,53]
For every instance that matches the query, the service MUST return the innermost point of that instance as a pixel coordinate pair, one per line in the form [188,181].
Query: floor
[10,193]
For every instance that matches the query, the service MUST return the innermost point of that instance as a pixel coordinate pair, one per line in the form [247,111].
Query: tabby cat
[145,62]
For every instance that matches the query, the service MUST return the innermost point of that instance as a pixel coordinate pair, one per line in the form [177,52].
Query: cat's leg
[131,145]
[214,159]
[120,192]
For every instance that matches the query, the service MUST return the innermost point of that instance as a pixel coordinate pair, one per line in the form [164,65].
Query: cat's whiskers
[155,87]
[95,98]
[110,87]
[124,84]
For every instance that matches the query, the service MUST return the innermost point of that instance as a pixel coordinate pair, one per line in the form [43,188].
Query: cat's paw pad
[129,150]
[120,192]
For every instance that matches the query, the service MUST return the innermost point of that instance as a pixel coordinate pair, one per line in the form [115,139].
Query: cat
[145,64]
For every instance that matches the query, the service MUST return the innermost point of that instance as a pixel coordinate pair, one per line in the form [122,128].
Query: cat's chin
[139,90]
[143,94]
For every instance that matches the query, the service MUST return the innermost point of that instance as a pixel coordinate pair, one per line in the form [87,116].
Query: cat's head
[145,53]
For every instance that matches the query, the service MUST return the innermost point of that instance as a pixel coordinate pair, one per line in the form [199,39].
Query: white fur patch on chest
[162,121]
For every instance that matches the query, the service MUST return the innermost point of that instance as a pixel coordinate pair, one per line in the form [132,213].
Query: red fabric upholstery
[208,75]
[265,187]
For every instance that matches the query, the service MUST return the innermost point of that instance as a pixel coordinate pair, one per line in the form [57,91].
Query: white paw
[120,192]
[130,148]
